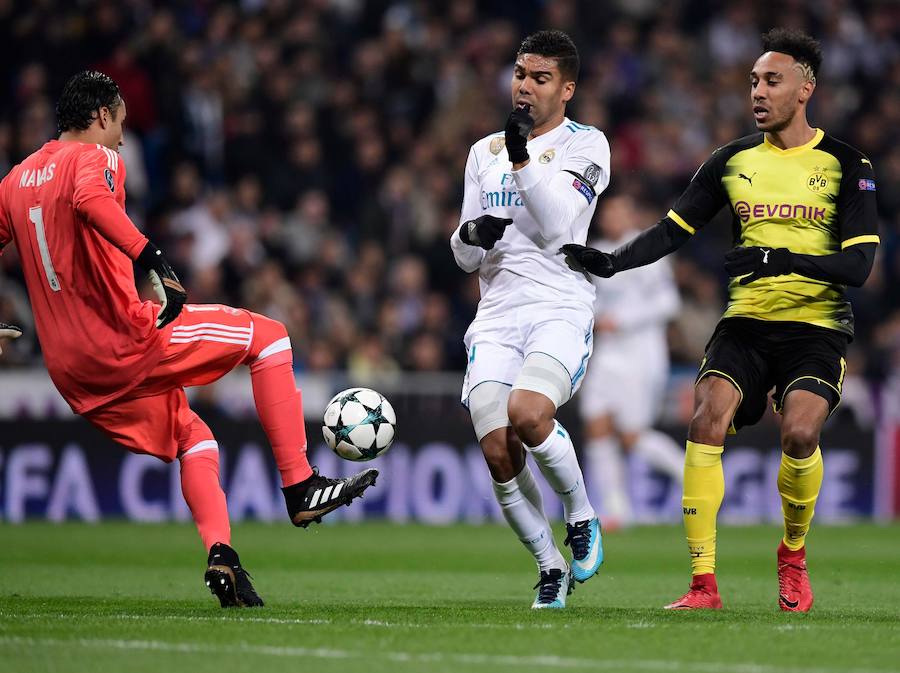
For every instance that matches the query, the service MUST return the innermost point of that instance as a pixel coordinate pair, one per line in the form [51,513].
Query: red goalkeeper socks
[203,494]
[280,408]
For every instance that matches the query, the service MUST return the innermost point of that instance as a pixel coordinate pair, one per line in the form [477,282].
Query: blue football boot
[553,586]
[586,542]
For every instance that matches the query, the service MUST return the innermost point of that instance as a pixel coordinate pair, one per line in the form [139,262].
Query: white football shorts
[629,387]
[497,346]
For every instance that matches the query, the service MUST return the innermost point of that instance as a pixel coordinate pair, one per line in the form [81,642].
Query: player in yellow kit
[805,227]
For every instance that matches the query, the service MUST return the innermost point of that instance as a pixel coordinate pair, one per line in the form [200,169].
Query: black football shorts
[759,355]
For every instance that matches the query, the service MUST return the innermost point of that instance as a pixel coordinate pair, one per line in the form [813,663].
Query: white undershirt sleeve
[555,202]
[468,257]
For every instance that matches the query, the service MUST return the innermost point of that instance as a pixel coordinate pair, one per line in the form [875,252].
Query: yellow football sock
[799,481]
[704,488]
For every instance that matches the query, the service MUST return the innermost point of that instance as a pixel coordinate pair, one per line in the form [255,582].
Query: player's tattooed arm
[663,238]
[165,283]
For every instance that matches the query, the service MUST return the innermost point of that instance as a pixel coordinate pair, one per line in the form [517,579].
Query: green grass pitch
[377,597]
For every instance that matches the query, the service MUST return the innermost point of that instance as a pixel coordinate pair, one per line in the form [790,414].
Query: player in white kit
[529,190]
[625,383]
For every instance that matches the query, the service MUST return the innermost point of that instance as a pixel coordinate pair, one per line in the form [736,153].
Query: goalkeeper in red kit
[123,364]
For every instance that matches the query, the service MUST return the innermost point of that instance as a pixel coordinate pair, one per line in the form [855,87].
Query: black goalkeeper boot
[228,581]
[315,496]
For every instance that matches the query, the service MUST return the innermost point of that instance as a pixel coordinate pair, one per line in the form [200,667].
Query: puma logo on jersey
[765,252]
[744,177]
[35,177]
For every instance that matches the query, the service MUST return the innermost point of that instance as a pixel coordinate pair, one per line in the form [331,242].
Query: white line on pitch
[548,661]
[377,623]
[285,620]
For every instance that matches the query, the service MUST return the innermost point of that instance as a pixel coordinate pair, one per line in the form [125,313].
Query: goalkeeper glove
[582,258]
[518,127]
[758,263]
[484,231]
[165,283]
[9,332]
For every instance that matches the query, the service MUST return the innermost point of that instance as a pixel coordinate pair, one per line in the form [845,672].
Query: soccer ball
[359,424]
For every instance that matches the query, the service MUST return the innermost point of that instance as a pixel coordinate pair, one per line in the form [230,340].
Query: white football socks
[608,471]
[556,458]
[661,452]
[522,506]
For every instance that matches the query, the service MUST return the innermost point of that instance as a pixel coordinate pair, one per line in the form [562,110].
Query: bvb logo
[817,182]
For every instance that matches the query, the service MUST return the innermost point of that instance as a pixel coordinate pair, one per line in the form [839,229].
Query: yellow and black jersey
[816,199]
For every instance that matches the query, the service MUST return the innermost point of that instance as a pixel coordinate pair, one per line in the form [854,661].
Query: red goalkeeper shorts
[207,341]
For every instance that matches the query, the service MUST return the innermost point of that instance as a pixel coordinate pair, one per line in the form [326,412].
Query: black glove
[9,332]
[758,262]
[165,283]
[518,127]
[484,231]
[582,258]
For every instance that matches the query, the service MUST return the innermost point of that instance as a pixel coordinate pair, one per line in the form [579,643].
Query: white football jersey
[551,202]
[641,302]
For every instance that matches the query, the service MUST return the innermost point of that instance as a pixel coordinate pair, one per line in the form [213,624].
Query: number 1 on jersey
[36,215]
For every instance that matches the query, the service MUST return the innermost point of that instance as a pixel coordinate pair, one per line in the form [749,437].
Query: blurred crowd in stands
[304,159]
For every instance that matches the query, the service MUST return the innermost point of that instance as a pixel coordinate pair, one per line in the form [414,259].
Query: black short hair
[554,44]
[796,43]
[84,94]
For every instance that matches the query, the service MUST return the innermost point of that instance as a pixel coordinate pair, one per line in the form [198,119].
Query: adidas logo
[322,496]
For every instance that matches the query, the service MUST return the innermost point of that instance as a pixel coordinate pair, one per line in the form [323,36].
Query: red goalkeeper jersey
[64,208]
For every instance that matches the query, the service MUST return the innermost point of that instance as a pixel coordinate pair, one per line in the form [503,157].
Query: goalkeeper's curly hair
[554,44]
[82,96]
[805,50]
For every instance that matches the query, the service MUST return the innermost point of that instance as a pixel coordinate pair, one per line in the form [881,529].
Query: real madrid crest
[817,181]
[547,156]
[497,144]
